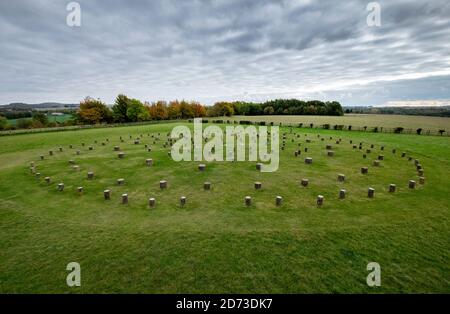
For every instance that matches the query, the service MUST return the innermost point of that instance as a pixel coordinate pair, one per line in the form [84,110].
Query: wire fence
[397,130]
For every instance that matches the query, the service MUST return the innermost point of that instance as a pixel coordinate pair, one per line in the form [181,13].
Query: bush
[245,122]
[398,129]
[375,129]
[419,131]
[3,123]
[40,119]
[23,123]
[441,132]
[93,111]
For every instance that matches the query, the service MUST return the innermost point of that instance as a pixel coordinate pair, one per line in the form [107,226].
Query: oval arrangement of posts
[257,185]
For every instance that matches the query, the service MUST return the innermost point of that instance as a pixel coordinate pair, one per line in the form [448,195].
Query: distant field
[361,120]
[61,118]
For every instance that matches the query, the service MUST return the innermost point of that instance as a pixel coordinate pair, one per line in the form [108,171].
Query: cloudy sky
[226,50]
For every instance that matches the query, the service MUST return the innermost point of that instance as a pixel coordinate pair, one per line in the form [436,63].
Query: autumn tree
[186,110]
[198,109]
[93,111]
[174,110]
[158,111]
[222,109]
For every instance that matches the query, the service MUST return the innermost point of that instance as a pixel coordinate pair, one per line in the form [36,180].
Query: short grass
[215,244]
[360,120]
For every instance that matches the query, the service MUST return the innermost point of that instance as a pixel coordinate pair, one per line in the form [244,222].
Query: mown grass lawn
[215,244]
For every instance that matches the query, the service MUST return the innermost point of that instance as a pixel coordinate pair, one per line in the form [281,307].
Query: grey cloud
[227,49]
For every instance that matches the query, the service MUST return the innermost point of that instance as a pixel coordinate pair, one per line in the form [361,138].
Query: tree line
[438,111]
[278,107]
[126,110]
[132,110]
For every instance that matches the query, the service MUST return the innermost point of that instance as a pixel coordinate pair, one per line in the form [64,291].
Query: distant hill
[41,106]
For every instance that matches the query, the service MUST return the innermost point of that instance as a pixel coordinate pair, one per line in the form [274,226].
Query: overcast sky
[226,50]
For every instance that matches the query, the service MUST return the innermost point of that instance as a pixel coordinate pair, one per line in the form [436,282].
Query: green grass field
[215,244]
